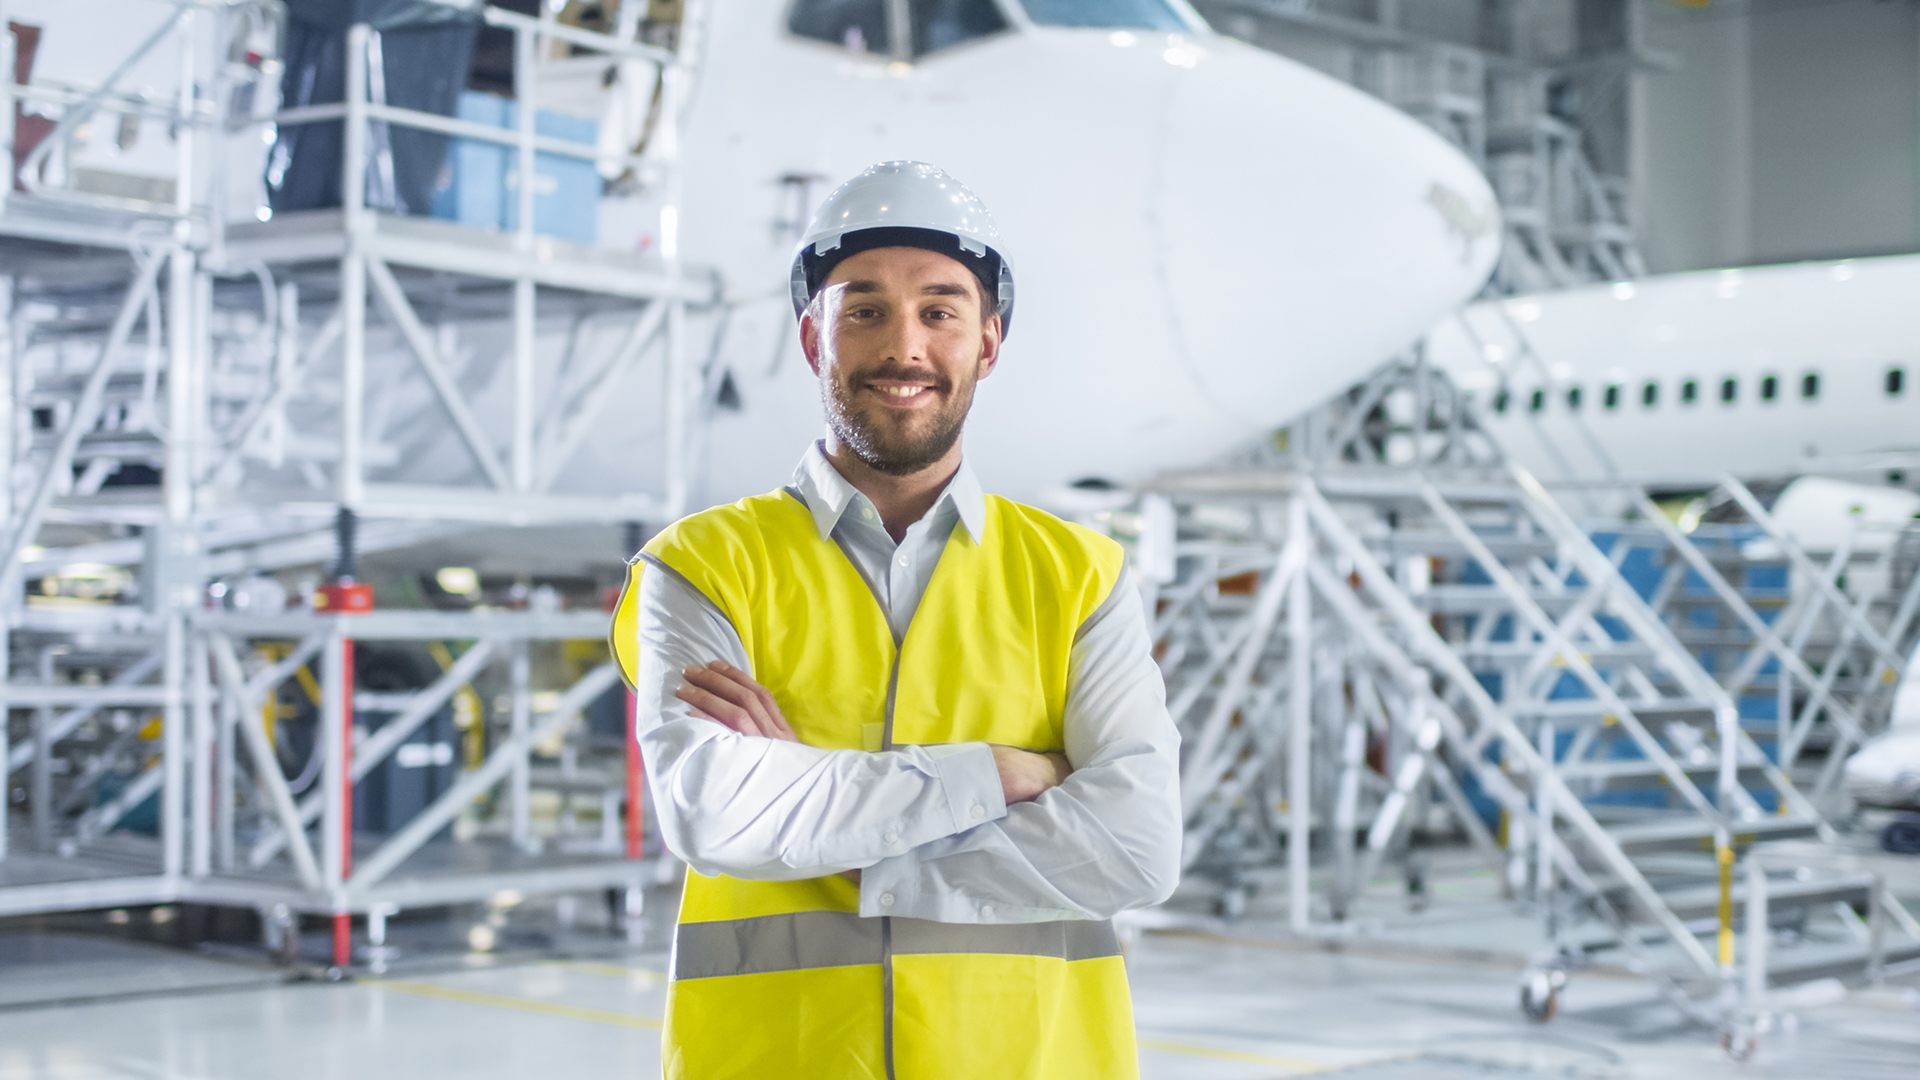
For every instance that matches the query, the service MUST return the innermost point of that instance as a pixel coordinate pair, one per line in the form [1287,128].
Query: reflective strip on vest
[820,939]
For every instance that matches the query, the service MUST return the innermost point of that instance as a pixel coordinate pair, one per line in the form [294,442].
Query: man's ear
[989,346]
[810,337]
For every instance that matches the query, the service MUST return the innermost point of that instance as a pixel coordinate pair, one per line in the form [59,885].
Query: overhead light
[1843,271]
[1121,39]
[1729,286]
[1494,353]
[460,580]
[1623,290]
[1524,310]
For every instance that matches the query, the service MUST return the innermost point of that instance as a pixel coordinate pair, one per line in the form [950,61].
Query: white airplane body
[1206,239]
[1804,368]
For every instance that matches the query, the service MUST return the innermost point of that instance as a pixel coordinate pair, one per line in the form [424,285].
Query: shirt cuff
[972,782]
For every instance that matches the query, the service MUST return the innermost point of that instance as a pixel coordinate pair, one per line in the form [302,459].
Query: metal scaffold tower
[1386,623]
[192,402]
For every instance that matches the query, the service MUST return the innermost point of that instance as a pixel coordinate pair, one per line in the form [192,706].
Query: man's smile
[903,395]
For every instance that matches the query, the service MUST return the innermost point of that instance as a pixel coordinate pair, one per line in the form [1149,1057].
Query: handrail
[447,125]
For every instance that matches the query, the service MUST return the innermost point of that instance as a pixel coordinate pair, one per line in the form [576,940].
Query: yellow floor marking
[1298,1065]
[502,1001]
[612,971]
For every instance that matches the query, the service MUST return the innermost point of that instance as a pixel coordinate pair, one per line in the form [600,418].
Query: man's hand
[1025,774]
[729,696]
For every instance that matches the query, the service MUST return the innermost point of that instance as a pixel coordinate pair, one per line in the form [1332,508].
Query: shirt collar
[828,494]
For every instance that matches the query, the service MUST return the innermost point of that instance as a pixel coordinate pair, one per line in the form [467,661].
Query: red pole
[343,922]
[636,780]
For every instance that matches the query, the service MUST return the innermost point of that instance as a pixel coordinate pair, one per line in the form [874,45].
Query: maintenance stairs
[1347,645]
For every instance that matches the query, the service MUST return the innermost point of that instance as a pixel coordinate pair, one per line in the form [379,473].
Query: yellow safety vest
[785,978]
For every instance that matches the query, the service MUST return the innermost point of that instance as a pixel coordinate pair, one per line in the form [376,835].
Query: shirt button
[903,560]
[892,837]
[867,512]
[979,812]
[987,912]
[886,899]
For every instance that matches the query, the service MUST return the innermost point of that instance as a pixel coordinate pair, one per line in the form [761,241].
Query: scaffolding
[1381,622]
[232,359]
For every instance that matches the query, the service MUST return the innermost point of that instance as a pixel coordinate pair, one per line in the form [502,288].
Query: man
[908,737]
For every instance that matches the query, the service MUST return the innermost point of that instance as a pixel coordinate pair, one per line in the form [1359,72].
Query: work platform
[204,401]
[1386,633]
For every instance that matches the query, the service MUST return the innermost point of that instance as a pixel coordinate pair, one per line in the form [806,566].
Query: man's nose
[906,341]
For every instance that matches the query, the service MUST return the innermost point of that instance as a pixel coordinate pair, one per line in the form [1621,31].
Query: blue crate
[480,185]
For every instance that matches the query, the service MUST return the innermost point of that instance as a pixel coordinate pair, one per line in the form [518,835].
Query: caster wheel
[1540,995]
[1740,1043]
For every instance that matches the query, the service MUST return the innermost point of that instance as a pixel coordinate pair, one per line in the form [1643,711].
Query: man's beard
[896,454]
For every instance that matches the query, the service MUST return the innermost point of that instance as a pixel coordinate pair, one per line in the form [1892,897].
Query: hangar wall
[1786,130]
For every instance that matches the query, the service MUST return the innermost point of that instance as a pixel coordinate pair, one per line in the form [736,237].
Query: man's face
[897,339]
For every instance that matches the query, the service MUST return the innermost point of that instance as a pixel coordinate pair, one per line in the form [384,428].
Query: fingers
[741,689]
[733,698]
[711,706]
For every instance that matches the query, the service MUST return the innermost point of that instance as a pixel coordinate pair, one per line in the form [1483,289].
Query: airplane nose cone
[1334,226]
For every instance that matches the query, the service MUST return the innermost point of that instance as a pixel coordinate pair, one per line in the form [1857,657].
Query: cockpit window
[860,25]
[938,24]
[864,25]
[1116,14]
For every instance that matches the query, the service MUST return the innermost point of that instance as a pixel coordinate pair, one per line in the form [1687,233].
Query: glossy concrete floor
[1214,1001]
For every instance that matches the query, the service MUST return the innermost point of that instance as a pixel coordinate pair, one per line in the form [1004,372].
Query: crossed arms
[960,833]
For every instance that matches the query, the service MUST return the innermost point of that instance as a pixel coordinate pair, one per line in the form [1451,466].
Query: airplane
[1207,238]
[1676,379]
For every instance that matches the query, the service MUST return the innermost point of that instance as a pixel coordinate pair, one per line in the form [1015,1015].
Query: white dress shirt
[927,825]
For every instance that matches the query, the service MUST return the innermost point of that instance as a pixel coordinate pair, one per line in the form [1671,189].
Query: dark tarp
[426,49]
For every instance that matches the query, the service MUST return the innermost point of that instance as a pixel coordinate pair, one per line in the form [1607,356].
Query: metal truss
[1386,622]
[245,365]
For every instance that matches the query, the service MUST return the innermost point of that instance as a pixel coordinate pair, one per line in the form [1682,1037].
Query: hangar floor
[1427,995]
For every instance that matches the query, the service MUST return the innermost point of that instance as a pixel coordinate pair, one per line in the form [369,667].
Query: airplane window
[1729,389]
[859,25]
[1538,401]
[1118,14]
[1612,398]
[1896,381]
[1573,397]
[1810,385]
[938,24]
[1769,388]
[1500,402]
[1650,394]
[1689,392]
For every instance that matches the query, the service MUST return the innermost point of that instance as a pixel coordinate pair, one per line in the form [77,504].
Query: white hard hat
[903,204]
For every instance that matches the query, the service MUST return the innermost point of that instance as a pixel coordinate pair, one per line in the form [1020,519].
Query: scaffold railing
[231,361]
[1385,624]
